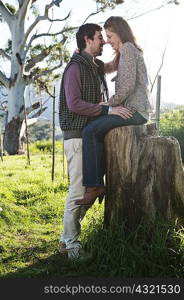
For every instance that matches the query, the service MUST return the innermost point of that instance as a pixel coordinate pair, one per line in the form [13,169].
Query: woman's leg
[93,145]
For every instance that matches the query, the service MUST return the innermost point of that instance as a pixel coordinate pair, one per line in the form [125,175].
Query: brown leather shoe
[91,194]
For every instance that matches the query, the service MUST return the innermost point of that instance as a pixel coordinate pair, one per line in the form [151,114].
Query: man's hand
[121,111]
[103,103]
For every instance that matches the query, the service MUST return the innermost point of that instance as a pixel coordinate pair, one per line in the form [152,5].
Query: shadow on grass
[147,252]
[53,266]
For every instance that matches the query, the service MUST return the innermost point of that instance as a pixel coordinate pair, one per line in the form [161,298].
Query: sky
[153,32]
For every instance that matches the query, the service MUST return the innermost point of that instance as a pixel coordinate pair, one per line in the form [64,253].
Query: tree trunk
[145,176]
[12,139]
[12,136]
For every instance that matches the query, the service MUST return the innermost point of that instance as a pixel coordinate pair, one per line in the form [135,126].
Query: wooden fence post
[157,113]
[26,131]
[53,135]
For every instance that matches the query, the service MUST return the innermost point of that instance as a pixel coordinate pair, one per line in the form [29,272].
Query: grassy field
[31,223]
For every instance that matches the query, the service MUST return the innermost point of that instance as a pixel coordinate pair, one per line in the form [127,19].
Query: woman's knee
[87,131]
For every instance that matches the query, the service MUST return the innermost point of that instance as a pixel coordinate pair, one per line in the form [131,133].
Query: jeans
[93,145]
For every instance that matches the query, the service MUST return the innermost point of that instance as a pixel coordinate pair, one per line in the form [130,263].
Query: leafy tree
[25,52]
[172,124]
[41,130]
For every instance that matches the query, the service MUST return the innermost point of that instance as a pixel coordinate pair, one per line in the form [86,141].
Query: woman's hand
[121,111]
[76,51]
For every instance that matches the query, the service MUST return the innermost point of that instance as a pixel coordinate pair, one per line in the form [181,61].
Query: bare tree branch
[44,72]
[50,23]
[7,15]
[41,18]
[4,80]
[29,109]
[4,54]
[160,67]
[48,34]
[53,34]
[60,20]
[54,20]
[41,83]
[96,12]
[39,112]
[23,8]
[32,62]
[37,20]
[146,12]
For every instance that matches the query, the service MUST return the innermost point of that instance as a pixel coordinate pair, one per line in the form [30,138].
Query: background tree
[41,130]
[24,56]
[172,124]
[26,51]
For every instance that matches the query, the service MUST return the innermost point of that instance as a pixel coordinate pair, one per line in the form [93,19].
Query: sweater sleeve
[126,75]
[72,86]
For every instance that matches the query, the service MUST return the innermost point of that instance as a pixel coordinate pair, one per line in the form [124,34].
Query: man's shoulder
[78,58]
[99,62]
[71,67]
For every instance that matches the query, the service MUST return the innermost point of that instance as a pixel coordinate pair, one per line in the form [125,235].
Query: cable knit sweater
[131,82]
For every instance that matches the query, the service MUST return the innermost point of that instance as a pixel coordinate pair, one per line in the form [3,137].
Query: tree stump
[145,176]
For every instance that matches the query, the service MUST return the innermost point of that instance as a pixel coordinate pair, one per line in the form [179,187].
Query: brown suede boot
[91,194]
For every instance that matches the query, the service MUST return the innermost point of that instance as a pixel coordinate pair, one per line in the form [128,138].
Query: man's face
[96,45]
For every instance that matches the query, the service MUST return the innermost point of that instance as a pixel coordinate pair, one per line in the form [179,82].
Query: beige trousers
[73,214]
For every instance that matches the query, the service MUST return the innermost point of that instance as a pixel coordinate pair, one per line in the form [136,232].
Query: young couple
[85,118]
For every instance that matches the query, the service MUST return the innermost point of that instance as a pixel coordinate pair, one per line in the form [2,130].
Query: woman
[129,106]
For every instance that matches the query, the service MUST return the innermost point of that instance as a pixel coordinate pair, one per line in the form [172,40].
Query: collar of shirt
[90,57]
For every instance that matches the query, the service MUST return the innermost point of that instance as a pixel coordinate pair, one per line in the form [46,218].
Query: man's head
[89,38]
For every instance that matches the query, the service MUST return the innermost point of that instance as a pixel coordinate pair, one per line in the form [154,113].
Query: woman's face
[113,39]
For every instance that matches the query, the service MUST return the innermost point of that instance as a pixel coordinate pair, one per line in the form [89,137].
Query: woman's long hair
[119,26]
[122,29]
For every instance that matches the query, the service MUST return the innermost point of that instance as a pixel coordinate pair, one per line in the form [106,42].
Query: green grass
[31,224]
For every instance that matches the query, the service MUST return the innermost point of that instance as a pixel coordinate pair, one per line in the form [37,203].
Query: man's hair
[88,30]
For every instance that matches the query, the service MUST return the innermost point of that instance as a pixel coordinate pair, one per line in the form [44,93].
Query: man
[82,88]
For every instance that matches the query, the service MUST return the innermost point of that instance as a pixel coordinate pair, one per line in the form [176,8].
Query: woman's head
[119,32]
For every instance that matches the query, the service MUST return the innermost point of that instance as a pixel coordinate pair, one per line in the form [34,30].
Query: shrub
[172,124]
[45,146]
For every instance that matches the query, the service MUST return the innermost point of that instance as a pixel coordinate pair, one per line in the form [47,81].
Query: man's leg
[73,213]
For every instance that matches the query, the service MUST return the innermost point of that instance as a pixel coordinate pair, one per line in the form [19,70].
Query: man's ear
[86,40]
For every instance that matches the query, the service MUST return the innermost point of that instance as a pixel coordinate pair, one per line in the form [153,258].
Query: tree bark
[12,136]
[145,176]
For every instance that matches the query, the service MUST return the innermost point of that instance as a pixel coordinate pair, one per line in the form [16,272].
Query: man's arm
[111,66]
[72,86]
